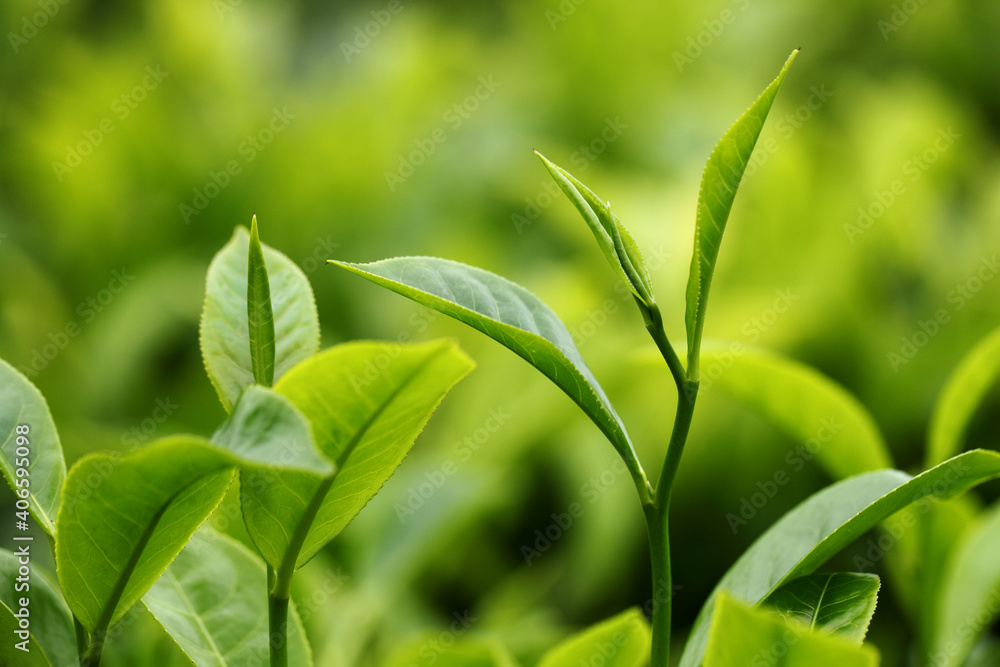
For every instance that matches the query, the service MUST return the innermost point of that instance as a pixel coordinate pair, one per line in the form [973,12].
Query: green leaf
[841,603]
[211,602]
[52,639]
[516,318]
[806,405]
[23,404]
[719,183]
[743,636]
[430,649]
[826,522]
[620,641]
[260,318]
[225,327]
[264,426]
[366,402]
[614,240]
[124,518]
[969,597]
[965,389]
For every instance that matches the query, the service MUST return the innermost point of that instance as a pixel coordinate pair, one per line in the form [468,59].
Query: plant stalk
[277,616]
[92,656]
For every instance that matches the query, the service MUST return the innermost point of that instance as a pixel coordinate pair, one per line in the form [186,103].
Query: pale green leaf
[22,403]
[620,641]
[471,652]
[514,317]
[842,603]
[822,525]
[260,318]
[976,374]
[806,405]
[746,637]
[225,329]
[719,183]
[211,601]
[366,402]
[51,639]
[969,596]
[614,240]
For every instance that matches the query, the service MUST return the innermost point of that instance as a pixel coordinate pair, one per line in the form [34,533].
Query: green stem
[92,656]
[654,325]
[277,608]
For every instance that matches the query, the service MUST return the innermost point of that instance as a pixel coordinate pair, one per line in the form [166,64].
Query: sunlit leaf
[51,640]
[719,183]
[842,603]
[260,318]
[461,653]
[969,597]
[822,525]
[806,405]
[366,403]
[225,329]
[976,374]
[22,403]
[614,240]
[621,641]
[211,602]
[745,637]
[516,318]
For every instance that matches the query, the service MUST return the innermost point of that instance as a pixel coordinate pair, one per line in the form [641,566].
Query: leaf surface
[620,641]
[514,317]
[719,183]
[260,318]
[52,639]
[23,404]
[826,522]
[842,603]
[211,603]
[225,328]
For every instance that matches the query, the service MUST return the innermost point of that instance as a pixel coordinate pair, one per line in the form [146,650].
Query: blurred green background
[135,136]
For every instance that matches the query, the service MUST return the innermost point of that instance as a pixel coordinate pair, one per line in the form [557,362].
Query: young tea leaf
[719,183]
[614,240]
[366,403]
[516,318]
[24,406]
[225,326]
[969,596]
[51,638]
[260,318]
[841,603]
[975,375]
[805,404]
[463,653]
[826,522]
[742,637]
[621,641]
[210,603]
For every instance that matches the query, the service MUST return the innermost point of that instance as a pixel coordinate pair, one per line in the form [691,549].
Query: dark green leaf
[225,327]
[260,318]
[719,183]
[825,523]
[841,603]
[516,318]
[22,403]
[211,602]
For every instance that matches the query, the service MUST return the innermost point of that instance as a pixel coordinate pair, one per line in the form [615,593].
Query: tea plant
[313,436]
[754,615]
